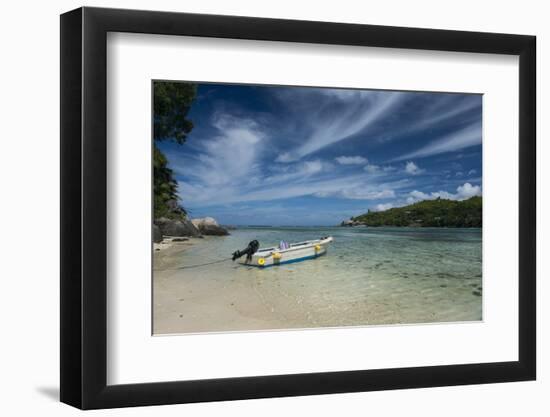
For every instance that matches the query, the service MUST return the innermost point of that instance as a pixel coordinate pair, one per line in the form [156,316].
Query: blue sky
[266,155]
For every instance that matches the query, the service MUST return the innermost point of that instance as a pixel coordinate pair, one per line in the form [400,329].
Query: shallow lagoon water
[370,276]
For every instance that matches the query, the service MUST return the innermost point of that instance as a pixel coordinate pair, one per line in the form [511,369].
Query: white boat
[294,252]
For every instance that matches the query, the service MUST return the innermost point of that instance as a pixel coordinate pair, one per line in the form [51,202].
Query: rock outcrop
[177,228]
[165,227]
[209,226]
[350,223]
[157,234]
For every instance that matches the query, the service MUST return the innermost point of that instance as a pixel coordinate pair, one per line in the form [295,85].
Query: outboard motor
[250,250]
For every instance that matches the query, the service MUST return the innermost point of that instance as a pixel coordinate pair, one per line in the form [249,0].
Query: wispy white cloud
[298,171]
[358,193]
[412,169]
[383,206]
[352,187]
[351,160]
[366,189]
[442,110]
[216,162]
[364,194]
[362,110]
[463,192]
[214,170]
[467,190]
[372,168]
[469,136]
[433,114]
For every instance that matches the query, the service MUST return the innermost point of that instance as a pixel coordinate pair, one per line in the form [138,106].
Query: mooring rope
[195,266]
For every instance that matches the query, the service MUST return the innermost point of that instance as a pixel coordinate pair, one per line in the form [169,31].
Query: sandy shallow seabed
[196,305]
[227,296]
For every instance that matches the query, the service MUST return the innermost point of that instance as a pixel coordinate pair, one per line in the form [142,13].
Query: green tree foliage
[171,104]
[428,213]
[165,188]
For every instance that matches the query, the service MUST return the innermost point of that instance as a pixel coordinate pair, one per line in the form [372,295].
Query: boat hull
[296,253]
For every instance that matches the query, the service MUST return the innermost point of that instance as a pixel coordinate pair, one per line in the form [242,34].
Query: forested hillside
[428,213]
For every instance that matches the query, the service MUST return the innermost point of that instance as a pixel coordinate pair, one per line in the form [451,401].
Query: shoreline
[165,253]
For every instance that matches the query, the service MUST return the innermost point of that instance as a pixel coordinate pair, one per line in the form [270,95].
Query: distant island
[428,213]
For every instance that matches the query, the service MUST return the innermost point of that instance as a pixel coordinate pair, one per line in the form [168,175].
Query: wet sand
[194,304]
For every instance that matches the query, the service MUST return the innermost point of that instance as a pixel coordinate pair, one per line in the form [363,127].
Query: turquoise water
[369,275]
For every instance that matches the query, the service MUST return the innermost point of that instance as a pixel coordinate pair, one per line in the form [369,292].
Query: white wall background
[29,177]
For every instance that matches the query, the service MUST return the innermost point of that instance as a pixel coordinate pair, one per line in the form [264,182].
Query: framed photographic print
[257,208]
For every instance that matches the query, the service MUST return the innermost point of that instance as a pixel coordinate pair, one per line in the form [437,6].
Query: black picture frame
[84,207]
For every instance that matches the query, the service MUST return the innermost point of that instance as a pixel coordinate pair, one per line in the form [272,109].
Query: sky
[271,155]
